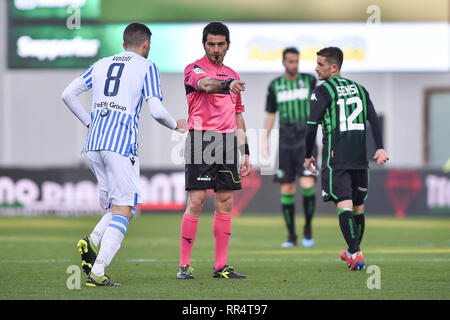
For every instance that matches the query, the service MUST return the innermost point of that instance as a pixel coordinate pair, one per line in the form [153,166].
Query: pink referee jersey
[215,112]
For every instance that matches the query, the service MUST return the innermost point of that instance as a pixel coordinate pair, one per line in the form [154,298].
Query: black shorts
[292,163]
[211,161]
[345,184]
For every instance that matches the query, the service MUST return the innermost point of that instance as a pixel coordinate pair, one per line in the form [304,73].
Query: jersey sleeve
[69,96]
[193,73]
[320,98]
[152,87]
[271,100]
[372,117]
[87,77]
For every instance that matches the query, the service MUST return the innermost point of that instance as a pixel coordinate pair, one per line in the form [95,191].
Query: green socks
[288,209]
[349,229]
[309,203]
[360,224]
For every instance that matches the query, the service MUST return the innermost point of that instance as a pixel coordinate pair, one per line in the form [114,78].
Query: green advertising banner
[59,47]
[56,9]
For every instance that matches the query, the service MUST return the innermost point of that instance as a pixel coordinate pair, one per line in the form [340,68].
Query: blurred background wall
[37,129]
[400,51]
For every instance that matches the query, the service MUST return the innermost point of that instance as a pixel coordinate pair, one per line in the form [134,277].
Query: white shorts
[118,178]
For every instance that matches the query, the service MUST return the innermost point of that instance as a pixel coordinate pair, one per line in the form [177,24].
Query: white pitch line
[35,261]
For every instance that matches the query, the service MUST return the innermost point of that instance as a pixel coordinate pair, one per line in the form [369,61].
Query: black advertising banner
[399,192]
[74,192]
[409,192]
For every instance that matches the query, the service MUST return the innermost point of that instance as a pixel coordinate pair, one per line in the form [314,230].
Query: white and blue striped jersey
[120,83]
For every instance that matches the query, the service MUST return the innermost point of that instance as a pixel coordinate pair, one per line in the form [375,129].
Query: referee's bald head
[135,34]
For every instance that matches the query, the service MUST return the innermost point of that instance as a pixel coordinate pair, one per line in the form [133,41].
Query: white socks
[110,243]
[100,228]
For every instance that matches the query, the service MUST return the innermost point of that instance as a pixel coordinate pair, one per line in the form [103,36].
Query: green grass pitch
[413,256]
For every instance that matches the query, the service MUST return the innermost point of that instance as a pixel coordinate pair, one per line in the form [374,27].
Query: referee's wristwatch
[225,84]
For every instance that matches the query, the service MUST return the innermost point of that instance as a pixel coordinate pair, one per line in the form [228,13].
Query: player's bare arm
[246,166]
[209,85]
[268,125]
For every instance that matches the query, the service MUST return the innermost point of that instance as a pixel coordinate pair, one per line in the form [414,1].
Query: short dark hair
[136,33]
[216,28]
[333,55]
[290,50]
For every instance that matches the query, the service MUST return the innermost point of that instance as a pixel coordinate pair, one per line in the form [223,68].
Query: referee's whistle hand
[310,164]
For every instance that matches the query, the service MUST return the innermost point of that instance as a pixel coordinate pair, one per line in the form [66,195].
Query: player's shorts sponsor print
[343,184]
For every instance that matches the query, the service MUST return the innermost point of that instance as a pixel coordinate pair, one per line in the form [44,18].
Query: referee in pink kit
[216,136]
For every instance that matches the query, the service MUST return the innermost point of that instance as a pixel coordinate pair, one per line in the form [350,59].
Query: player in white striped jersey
[120,84]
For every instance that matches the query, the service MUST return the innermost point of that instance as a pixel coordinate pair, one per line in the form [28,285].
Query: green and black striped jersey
[343,106]
[292,99]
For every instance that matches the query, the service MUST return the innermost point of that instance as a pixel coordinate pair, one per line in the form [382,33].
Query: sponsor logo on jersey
[198,70]
[104,112]
[111,105]
[295,94]
[313,97]
[117,106]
